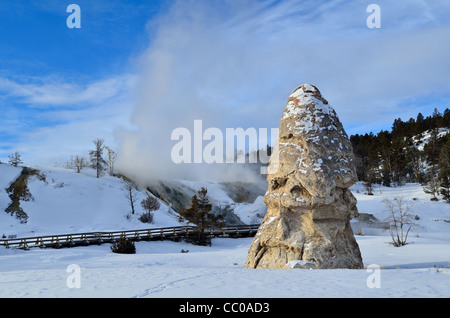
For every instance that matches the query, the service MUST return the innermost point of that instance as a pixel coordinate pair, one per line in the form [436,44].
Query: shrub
[400,220]
[150,204]
[123,246]
[146,217]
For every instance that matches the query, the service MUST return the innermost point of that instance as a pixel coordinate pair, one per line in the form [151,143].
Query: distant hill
[417,150]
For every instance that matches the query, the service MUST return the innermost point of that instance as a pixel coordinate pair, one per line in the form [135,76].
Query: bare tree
[15,159]
[130,193]
[150,204]
[111,159]
[400,219]
[97,161]
[432,187]
[79,163]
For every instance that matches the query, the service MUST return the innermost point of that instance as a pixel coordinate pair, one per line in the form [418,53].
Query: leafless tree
[400,219]
[15,159]
[79,163]
[130,193]
[150,204]
[111,159]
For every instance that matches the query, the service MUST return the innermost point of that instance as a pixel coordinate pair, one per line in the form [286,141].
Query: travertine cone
[307,224]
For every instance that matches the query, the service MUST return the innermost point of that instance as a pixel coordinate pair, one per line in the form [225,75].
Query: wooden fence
[90,238]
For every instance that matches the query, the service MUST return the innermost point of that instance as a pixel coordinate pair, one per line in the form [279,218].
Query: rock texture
[307,224]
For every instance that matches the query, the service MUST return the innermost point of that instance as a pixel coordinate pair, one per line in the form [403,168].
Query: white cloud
[50,92]
[50,121]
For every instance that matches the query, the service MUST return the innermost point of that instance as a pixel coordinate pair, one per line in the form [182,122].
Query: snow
[159,268]
[69,202]
[422,139]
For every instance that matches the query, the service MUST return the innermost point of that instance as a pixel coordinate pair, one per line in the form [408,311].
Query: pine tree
[416,163]
[398,156]
[373,164]
[446,118]
[432,152]
[200,214]
[97,161]
[420,124]
[385,147]
[444,171]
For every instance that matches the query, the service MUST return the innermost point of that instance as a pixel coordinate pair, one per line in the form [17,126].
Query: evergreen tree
[386,157]
[393,156]
[436,119]
[373,164]
[97,161]
[420,124]
[446,118]
[432,153]
[398,156]
[444,170]
[416,164]
[200,214]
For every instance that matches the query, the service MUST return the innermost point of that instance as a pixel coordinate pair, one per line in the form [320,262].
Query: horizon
[135,72]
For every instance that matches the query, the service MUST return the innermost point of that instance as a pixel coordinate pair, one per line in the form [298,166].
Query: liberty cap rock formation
[307,224]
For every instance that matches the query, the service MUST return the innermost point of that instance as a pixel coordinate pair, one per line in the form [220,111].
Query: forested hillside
[417,150]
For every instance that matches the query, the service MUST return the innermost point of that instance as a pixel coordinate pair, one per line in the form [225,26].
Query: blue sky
[138,69]
[45,66]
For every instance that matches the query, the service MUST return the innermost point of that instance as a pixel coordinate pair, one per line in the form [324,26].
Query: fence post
[23,244]
[70,240]
[58,244]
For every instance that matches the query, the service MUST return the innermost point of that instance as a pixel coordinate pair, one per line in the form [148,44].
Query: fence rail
[90,238]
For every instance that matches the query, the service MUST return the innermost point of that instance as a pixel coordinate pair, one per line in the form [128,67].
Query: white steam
[234,63]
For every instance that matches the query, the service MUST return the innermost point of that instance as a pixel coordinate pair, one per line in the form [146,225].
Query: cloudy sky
[136,70]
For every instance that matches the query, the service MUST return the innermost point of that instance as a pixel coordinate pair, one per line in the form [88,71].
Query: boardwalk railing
[90,238]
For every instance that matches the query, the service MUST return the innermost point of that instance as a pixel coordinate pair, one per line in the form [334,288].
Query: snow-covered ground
[69,202]
[159,268]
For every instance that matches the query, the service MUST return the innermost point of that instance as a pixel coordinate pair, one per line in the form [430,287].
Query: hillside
[62,201]
[417,150]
